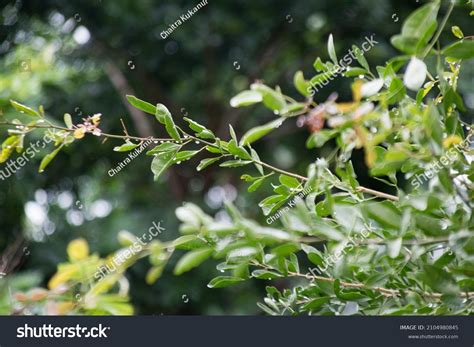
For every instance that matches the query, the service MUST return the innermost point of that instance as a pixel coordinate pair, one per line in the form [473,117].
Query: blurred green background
[83,57]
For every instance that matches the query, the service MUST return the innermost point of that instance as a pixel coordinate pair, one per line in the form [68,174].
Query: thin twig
[137,138]
[384,291]
[380,241]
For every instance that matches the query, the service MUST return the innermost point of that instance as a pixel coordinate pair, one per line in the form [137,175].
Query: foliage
[411,252]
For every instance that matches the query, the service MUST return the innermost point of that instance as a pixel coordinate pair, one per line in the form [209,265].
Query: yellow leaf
[344,107]
[451,140]
[78,249]
[357,90]
[64,307]
[105,285]
[62,276]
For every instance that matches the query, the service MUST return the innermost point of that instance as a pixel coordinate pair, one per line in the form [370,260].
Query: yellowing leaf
[451,140]
[64,307]
[344,107]
[78,249]
[357,90]
[62,276]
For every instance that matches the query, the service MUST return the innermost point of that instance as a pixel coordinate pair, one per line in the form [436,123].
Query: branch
[384,291]
[381,241]
[273,168]
[120,83]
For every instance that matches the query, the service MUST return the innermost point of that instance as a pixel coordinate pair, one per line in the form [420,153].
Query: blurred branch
[12,256]
[140,119]
[118,80]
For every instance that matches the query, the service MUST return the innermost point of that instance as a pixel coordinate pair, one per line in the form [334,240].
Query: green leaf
[185,155]
[169,123]
[405,44]
[288,181]
[8,146]
[153,274]
[331,50]
[460,50]
[445,259]
[313,254]
[198,128]
[265,274]
[324,229]
[162,162]
[255,185]
[396,91]
[394,247]
[301,84]
[440,280]
[418,29]
[238,151]
[183,239]
[235,163]
[319,66]
[457,32]
[232,133]
[47,158]
[432,122]
[126,147]
[246,98]
[192,259]
[271,98]
[355,71]
[24,109]
[68,120]
[206,162]
[141,105]
[206,135]
[189,242]
[385,213]
[360,57]
[315,303]
[256,160]
[260,131]
[164,147]
[224,281]
[319,138]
